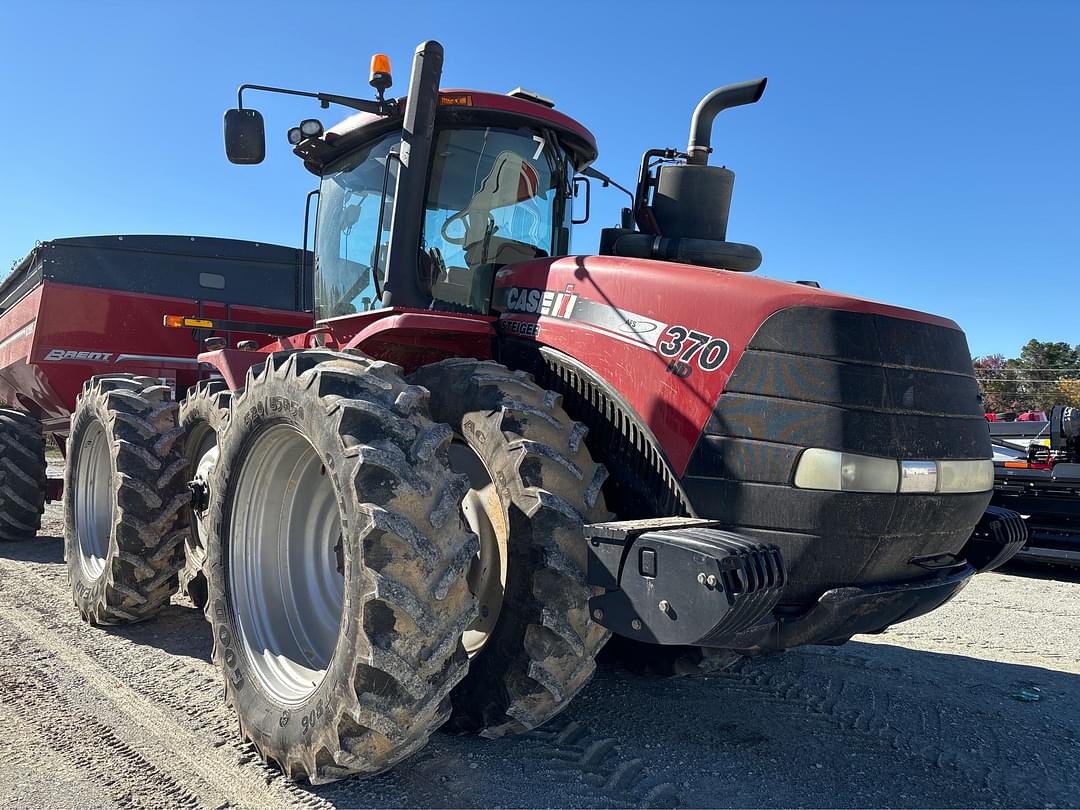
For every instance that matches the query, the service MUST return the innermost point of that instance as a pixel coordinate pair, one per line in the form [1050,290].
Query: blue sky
[924,154]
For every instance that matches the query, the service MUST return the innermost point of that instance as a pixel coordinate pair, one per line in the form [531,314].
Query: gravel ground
[925,715]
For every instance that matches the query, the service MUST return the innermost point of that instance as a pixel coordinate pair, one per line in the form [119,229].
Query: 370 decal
[687,346]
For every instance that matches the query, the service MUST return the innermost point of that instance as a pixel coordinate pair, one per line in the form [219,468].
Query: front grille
[852,382]
[847,381]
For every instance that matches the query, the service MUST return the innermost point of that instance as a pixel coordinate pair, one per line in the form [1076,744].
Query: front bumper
[686,581]
[841,613]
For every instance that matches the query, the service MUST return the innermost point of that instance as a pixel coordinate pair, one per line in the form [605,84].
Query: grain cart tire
[125,499]
[202,416]
[534,645]
[22,475]
[337,563]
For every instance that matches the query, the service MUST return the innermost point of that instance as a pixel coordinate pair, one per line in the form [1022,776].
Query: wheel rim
[94,501]
[485,515]
[285,565]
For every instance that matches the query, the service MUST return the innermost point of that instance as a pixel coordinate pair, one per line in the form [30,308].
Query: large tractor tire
[22,475]
[533,486]
[337,563]
[125,499]
[203,413]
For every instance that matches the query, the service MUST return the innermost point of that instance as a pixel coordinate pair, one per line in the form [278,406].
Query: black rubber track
[22,475]
[149,496]
[541,652]
[202,411]
[405,555]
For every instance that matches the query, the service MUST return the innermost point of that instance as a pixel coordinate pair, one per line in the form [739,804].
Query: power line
[1027,368]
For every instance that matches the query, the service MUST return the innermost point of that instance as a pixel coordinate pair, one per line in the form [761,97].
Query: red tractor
[488,456]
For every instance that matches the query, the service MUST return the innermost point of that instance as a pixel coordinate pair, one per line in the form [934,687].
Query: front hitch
[680,580]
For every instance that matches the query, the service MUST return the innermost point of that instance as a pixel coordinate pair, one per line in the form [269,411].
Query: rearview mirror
[245,138]
[578,182]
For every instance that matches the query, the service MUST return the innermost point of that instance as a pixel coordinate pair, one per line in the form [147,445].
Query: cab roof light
[529,95]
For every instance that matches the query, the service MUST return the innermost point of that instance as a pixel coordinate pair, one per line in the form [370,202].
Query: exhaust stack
[720,99]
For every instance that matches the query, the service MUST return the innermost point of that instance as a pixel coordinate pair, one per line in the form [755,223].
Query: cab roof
[462,105]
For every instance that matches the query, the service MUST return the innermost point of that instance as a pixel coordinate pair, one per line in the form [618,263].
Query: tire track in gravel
[27,753]
[179,696]
[947,734]
[87,746]
[174,709]
[623,781]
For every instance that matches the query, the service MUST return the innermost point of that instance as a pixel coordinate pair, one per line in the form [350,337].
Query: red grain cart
[85,306]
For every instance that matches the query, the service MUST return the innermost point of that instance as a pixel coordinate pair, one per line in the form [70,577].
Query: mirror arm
[607,181]
[385,107]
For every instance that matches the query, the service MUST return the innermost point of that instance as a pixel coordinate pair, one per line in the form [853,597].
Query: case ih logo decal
[66,354]
[549,303]
[683,347]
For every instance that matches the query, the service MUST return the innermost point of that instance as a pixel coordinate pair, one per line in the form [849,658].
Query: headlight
[851,472]
[848,472]
[966,476]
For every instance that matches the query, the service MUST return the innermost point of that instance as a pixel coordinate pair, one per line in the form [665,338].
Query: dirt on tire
[202,417]
[541,652]
[142,480]
[403,554]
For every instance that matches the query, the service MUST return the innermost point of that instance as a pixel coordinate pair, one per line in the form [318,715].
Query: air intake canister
[693,201]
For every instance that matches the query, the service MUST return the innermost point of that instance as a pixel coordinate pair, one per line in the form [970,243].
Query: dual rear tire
[126,498]
[540,653]
[345,662]
[337,565]
[351,516]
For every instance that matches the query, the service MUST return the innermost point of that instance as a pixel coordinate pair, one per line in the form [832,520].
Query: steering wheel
[466,225]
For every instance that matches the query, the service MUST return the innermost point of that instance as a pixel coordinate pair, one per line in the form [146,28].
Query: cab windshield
[496,196]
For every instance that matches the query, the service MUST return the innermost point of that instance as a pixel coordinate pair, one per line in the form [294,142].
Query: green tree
[1041,367]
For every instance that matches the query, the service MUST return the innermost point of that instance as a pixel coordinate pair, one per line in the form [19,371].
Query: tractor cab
[422,199]
[497,195]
